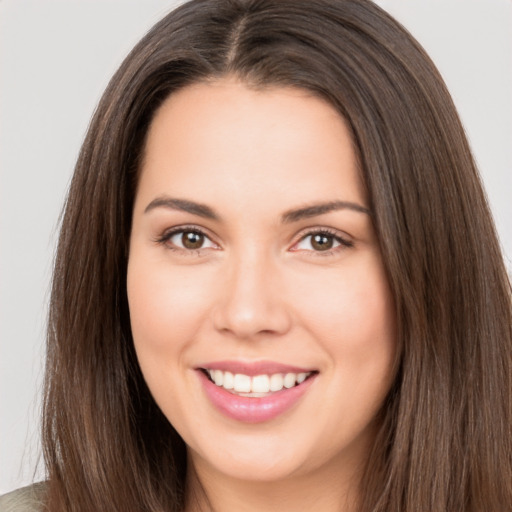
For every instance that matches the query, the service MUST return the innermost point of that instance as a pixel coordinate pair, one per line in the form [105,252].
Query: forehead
[225,140]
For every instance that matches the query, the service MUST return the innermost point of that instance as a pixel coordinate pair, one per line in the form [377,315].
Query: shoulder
[26,499]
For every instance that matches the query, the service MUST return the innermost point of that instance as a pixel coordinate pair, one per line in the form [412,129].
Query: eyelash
[167,235]
[343,243]
[335,235]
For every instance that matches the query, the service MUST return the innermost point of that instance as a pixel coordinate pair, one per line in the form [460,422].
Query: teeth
[218,377]
[276,382]
[259,385]
[289,380]
[229,381]
[242,383]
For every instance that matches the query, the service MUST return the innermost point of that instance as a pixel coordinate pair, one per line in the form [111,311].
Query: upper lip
[254,368]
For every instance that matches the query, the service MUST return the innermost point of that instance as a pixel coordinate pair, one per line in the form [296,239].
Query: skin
[259,289]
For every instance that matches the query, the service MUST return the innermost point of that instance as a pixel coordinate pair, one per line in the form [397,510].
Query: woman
[278,283]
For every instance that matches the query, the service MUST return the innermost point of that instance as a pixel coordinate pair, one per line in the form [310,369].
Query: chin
[257,458]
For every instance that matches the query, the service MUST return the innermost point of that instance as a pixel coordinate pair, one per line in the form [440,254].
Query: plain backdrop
[56,57]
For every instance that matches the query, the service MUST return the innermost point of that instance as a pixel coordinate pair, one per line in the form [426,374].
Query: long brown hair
[445,442]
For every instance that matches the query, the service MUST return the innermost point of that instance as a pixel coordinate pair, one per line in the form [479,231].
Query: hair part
[445,439]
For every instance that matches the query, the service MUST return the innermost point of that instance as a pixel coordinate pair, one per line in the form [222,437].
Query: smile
[258,385]
[254,393]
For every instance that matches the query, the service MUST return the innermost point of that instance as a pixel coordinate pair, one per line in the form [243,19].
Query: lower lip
[254,409]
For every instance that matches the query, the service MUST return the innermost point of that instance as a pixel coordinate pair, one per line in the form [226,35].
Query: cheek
[355,325]
[352,314]
[165,304]
[354,302]
[166,309]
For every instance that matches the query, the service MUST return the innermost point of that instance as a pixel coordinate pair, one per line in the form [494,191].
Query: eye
[190,239]
[322,241]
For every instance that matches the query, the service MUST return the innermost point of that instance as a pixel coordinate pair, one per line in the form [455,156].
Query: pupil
[322,242]
[192,240]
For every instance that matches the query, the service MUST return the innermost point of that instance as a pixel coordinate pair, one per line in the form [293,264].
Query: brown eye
[187,240]
[321,242]
[192,240]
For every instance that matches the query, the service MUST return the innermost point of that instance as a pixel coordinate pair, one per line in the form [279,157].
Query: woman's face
[254,262]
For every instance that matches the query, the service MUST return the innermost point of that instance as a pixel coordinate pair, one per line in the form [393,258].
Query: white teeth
[289,380]
[301,377]
[242,383]
[276,382]
[260,384]
[218,377]
[229,380]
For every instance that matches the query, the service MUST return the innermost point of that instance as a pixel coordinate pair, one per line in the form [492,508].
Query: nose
[252,301]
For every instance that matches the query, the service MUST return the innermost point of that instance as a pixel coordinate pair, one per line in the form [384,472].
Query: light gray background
[56,58]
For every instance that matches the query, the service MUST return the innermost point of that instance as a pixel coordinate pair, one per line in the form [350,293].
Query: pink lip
[253,409]
[254,368]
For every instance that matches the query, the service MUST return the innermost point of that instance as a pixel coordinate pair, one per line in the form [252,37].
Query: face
[260,310]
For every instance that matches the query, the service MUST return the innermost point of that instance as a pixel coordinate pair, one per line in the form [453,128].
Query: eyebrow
[183,205]
[288,217]
[321,208]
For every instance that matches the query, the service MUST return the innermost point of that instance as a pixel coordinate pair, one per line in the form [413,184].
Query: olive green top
[26,499]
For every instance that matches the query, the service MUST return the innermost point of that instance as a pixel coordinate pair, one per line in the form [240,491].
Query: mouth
[257,392]
[256,386]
